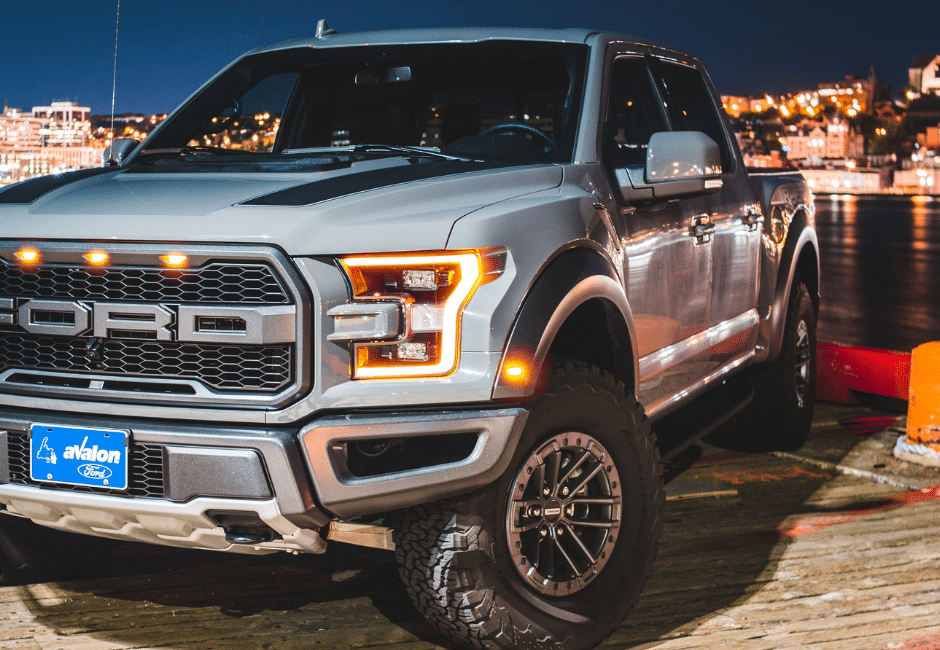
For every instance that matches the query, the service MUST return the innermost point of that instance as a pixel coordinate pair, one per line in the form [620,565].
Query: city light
[64,136]
[60,137]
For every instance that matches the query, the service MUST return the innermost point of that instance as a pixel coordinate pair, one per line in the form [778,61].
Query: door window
[634,113]
[691,107]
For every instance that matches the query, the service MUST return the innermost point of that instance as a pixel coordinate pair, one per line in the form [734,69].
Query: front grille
[145,471]
[246,284]
[215,332]
[221,367]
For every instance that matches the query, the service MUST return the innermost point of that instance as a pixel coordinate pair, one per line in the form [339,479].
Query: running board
[680,430]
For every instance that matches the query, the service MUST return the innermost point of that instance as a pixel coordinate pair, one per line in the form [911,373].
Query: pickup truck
[454,293]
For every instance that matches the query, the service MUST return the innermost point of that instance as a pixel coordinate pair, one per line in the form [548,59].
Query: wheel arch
[577,309]
[799,262]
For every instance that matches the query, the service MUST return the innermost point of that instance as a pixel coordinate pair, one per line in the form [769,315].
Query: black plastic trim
[541,301]
[29,191]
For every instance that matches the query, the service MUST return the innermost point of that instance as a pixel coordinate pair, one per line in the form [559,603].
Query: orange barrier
[923,408]
[842,369]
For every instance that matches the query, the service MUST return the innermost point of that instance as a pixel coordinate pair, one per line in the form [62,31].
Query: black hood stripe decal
[331,188]
[30,190]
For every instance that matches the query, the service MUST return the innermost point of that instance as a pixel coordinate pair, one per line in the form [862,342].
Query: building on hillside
[68,124]
[835,139]
[921,179]
[63,112]
[19,132]
[848,180]
[924,73]
[851,96]
[932,138]
[50,139]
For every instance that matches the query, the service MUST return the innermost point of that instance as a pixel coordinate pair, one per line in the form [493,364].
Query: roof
[448,35]
[921,61]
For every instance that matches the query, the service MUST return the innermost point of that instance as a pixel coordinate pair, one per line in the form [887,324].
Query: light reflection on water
[880,270]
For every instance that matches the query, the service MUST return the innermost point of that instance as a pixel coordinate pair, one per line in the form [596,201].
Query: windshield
[496,100]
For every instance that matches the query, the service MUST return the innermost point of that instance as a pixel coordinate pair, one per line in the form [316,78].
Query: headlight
[404,320]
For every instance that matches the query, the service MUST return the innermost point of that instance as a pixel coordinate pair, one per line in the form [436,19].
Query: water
[880,270]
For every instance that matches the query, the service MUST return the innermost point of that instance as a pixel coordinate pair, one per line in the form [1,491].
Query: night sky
[64,51]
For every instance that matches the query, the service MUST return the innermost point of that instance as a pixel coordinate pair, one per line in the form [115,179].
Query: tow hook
[248,536]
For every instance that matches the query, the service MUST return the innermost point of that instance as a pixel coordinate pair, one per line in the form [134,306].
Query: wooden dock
[760,551]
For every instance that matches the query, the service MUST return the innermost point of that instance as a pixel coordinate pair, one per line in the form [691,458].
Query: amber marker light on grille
[97,258]
[175,260]
[27,256]
[432,288]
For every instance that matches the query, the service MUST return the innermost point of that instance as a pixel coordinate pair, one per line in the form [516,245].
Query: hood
[378,205]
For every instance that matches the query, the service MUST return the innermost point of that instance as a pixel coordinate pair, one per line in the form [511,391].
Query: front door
[667,270]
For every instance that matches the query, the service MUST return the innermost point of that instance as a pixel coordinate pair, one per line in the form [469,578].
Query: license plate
[91,457]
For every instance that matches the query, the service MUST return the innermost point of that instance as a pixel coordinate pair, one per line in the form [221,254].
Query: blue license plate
[93,457]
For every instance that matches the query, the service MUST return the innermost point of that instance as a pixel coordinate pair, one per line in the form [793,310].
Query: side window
[691,107]
[634,113]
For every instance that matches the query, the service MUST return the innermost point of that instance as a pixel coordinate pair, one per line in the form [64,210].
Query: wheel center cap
[552,510]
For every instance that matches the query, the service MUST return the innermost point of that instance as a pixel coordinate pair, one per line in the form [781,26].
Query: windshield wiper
[427,152]
[424,152]
[188,150]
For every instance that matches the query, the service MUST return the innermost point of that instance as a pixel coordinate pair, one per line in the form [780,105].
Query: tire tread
[445,551]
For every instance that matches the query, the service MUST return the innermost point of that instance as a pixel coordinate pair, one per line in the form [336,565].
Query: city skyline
[58,51]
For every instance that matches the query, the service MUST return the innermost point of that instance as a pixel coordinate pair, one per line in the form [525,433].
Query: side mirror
[116,152]
[678,164]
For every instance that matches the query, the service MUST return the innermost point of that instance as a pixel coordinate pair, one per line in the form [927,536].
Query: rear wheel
[781,414]
[555,553]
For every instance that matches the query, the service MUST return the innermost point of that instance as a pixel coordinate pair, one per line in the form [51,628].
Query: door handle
[702,228]
[752,217]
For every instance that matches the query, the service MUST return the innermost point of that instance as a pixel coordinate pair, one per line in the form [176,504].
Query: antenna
[117,24]
[324,29]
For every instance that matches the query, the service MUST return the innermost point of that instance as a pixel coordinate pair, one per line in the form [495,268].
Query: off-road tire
[455,556]
[781,414]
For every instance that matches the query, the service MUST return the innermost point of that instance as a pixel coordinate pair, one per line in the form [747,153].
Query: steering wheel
[515,127]
[234,107]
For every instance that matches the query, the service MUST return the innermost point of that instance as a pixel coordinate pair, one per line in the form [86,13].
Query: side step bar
[678,431]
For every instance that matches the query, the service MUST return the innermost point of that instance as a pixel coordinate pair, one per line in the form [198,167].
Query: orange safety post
[921,444]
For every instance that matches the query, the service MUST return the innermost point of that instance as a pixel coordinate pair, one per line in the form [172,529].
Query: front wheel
[555,553]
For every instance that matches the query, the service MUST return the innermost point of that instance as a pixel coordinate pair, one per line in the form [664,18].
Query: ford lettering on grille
[252,325]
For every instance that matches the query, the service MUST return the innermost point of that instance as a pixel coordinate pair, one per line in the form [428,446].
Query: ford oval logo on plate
[98,472]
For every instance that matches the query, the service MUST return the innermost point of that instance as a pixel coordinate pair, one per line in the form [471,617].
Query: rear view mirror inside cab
[391,75]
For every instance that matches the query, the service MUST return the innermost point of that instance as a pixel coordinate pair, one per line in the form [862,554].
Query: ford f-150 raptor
[425,290]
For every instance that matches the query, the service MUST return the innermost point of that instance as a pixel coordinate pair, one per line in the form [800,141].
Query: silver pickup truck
[426,290]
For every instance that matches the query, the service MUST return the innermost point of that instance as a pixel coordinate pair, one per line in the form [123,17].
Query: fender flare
[568,281]
[793,251]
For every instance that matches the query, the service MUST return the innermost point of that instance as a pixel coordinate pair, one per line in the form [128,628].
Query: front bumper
[289,483]
[346,495]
